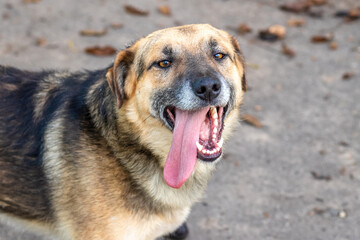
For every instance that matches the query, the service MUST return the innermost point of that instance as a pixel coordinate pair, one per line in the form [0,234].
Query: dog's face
[184,83]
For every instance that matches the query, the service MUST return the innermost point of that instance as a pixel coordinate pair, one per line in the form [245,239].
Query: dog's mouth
[196,134]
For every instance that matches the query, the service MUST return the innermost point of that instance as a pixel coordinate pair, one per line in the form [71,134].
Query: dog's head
[181,87]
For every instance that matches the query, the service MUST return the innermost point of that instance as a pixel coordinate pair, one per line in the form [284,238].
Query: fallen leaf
[347,76]
[266,215]
[278,30]
[296,7]
[318,176]
[135,11]
[30,1]
[354,14]
[41,42]
[93,33]
[302,5]
[243,29]
[117,25]
[319,211]
[100,51]
[251,120]
[322,38]
[164,10]
[273,33]
[349,15]
[296,22]
[288,51]
[333,45]
[318,2]
[265,35]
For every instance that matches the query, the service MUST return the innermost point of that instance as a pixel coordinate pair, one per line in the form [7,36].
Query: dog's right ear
[117,74]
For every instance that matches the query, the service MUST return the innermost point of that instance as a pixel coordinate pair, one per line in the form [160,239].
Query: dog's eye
[219,56]
[164,64]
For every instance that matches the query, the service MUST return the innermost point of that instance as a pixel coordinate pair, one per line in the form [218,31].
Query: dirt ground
[298,176]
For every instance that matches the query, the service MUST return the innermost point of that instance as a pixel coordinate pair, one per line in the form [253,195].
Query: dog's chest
[146,228]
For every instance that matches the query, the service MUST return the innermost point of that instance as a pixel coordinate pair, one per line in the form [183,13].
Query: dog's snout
[206,88]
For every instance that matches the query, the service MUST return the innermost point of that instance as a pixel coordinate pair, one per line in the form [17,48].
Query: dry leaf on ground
[273,33]
[265,35]
[333,45]
[322,38]
[40,42]
[94,33]
[317,2]
[31,1]
[243,29]
[164,10]
[349,15]
[135,11]
[278,30]
[251,120]
[296,22]
[288,51]
[318,176]
[297,7]
[101,51]
[354,14]
[117,25]
[302,5]
[348,75]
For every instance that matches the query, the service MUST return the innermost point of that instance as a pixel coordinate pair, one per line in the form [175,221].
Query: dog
[122,152]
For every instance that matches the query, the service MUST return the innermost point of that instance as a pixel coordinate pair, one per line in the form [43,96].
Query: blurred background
[291,170]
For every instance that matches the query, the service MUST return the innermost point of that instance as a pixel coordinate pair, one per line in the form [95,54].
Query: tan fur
[92,178]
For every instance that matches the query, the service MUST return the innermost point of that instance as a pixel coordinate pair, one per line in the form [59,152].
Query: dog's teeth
[204,151]
[199,146]
[218,149]
[215,130]
[220,143]
[215,115]
[213,112]
[216,122]
[214,136]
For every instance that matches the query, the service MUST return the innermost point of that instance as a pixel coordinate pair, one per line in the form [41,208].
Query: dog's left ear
[240,57]
[117,75]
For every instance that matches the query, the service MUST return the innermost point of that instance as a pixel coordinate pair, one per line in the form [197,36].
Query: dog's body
[86,154]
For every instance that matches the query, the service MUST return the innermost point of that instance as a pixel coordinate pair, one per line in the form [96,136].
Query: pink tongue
[182,156]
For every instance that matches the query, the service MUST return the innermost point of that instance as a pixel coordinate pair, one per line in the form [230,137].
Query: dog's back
[22,182]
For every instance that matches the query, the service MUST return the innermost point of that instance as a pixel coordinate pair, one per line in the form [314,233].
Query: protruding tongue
[182,156]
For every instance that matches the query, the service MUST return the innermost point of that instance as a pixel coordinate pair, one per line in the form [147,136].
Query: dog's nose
[206,88]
